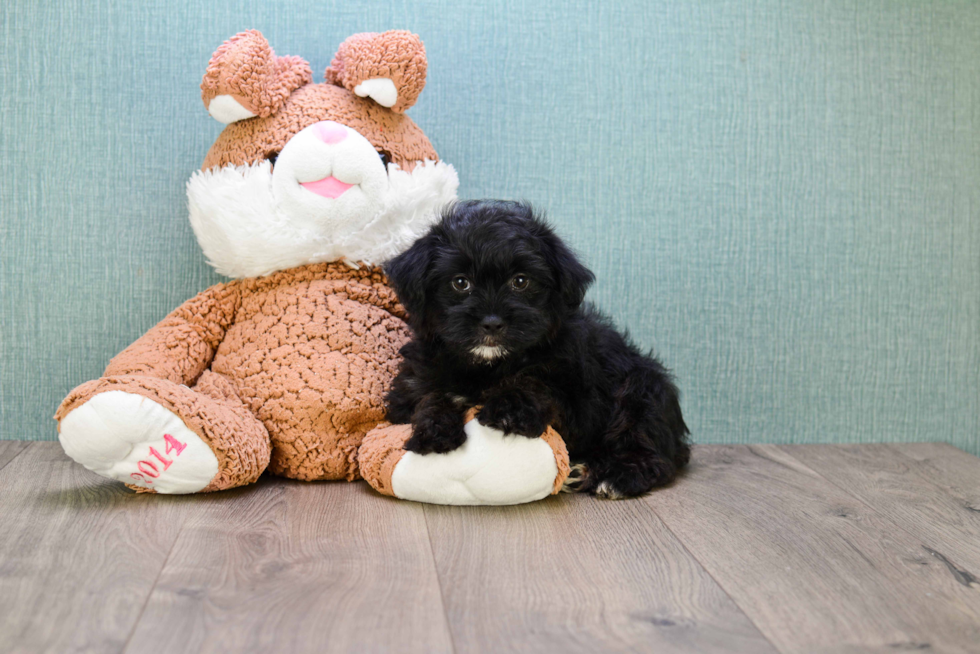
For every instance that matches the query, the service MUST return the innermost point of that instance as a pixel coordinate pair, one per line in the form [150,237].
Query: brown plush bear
[306,191]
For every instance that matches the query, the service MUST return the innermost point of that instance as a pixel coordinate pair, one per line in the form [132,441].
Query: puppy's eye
[271,158]
[461,284]
[519,283]
[385,158]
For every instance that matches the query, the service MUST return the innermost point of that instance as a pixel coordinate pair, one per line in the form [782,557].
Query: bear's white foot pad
[131,438]
[488,468]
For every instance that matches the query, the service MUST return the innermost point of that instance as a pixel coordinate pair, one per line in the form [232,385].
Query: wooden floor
[757,549]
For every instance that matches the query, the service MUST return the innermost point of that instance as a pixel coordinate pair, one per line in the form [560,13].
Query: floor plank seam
[19,452]
[149,595]
[782,448]
[435,569]
[913,464]
[957,572]
[710,575]
[836,485]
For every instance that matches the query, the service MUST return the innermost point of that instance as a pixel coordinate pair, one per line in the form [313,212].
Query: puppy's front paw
[436,433]
[618,479]
[606,490]
[514,413]
[576,480]
[582,479]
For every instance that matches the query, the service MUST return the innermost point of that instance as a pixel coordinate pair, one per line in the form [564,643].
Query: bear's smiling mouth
[328,187]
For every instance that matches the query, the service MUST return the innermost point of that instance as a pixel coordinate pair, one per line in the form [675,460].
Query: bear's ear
[388,67]
[245,78]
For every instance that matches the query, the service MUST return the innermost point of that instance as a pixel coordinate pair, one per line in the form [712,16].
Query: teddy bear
[305,192]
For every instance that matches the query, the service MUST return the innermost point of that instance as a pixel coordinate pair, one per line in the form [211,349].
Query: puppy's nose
[492,326]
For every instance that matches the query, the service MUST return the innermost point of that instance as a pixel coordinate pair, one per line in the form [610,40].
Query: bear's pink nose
[330,132]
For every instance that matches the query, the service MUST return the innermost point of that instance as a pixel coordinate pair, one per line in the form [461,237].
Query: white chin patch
[488,352]
[246,229]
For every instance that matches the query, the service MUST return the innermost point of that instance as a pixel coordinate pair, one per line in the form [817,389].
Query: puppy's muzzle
[492,330]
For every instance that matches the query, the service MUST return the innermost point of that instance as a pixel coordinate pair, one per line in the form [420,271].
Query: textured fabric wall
[781,198]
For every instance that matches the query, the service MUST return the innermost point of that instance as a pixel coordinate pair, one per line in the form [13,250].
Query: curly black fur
[495,303]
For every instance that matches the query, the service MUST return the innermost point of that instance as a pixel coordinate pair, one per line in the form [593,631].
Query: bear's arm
[180,347]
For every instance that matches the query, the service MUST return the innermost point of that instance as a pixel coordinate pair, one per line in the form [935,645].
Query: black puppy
[494,299]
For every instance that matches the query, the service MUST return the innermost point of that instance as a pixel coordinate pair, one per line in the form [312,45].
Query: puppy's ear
[572,278]
[408,273]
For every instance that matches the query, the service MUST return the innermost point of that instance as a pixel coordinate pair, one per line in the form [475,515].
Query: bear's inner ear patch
[380,89]
[226,109]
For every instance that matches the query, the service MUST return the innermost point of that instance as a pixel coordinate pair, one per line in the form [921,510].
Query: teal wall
[781,198]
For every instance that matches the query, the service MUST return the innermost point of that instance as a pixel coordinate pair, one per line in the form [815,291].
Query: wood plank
[78,553]
[813,567]
[299,567]
[10,449]
[952,469]
[576,574]
[905,490]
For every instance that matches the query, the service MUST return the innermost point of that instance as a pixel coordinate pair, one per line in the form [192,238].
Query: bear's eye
[519,283]
[461,284]
[385,158]
[271,158]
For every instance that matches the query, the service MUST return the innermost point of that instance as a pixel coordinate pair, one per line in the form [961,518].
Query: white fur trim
[413,204]
[112,435]
[244,233]
[489,468]
[380,89]
[225,109]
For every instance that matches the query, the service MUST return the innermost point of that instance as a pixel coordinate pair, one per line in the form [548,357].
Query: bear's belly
[314,366]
